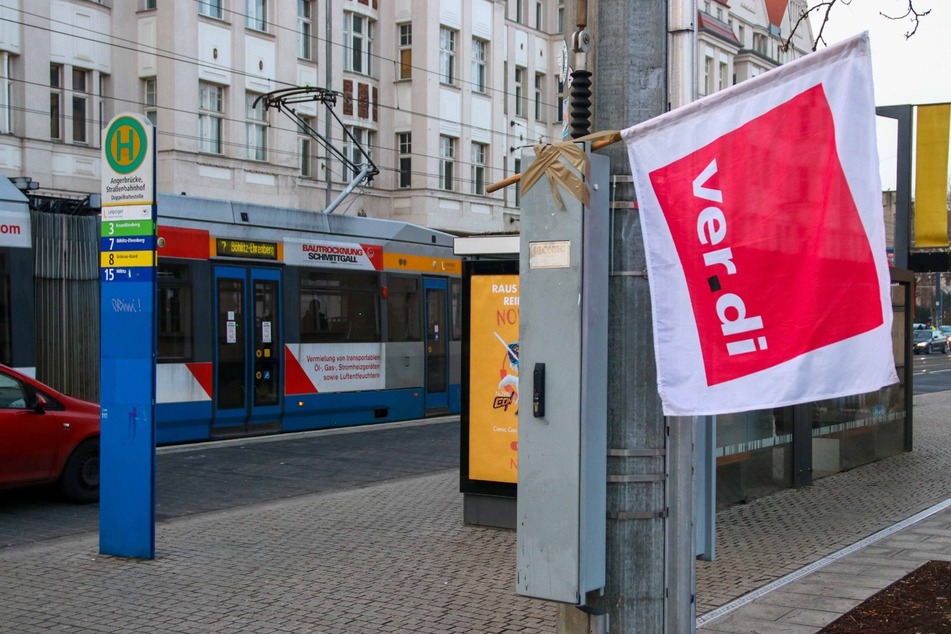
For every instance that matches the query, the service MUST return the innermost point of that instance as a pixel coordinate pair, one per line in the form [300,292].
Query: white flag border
[681,381]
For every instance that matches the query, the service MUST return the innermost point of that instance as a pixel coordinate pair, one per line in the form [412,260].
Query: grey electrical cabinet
[562,418]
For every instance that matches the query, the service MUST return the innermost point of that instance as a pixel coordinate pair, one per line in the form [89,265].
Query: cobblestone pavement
[395,556]
[778,534]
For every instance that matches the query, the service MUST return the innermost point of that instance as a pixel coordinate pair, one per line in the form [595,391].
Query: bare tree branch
[825,6]
[913,13]
[821,7]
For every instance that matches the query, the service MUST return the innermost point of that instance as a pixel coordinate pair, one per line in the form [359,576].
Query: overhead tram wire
[194,61]
[175,57]
[231,144]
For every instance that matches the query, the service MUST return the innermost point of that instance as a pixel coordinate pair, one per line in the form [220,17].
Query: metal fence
[66,287]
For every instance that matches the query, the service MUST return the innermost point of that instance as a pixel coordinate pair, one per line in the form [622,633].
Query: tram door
[437,343]
[248,362]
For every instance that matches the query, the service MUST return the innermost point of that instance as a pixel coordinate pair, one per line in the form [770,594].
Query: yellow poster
[493,379]
[931,176]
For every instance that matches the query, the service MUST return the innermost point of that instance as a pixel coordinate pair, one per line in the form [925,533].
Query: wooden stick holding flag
[598,140]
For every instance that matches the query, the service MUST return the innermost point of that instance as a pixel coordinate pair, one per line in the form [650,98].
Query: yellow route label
[126,258]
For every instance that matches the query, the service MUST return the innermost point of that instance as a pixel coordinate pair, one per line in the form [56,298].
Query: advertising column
[127,314]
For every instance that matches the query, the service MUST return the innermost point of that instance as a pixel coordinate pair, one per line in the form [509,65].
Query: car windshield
[922,335]
[945,329]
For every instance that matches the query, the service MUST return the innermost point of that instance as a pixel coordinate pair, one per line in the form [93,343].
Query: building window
[210,111]
[304,26]
[211,8]
[478,168]
[447,55]
[518,186]
[561,16]
[256,17]
[354,151]
[406,51]
[561,101]
[358,43]
[305,146]
[538,15]
[6,94]
[56,101]
[539,96]
[101,102]
[447,153]
[708,75]
[80,111]
[519,92]
[724,75]
[148,99]
[148,5]
[256,127]
[520,11]
[405,144]
[478,66]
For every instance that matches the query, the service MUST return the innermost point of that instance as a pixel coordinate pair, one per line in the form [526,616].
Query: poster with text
[317,368]
[493,379]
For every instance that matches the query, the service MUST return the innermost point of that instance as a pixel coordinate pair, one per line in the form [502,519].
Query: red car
[47,437]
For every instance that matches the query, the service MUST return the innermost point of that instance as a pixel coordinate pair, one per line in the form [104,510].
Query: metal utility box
[562,417]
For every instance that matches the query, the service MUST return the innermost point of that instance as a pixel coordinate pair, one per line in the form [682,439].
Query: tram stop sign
[130,178]
[127,260]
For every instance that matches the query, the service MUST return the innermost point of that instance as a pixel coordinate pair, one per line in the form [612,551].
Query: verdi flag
[763,229]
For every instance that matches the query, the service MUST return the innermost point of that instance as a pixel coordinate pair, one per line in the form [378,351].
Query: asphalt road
[212,476]
[932,373]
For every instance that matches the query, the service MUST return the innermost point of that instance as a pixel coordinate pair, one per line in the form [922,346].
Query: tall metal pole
[628,55]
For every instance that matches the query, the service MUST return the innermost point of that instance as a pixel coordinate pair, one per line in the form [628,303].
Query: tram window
[455,290]
[5,318]
[339,307]
[403,309]
[176,335]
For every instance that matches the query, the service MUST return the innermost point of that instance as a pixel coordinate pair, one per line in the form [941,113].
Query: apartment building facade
[444,96]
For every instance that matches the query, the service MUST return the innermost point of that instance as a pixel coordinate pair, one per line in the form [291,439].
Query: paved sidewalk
[781,534]
[395,557]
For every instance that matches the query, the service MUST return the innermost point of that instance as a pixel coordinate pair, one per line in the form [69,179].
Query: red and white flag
[761,210]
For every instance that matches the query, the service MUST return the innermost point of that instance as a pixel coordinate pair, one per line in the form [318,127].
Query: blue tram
[268,319]
[275,320]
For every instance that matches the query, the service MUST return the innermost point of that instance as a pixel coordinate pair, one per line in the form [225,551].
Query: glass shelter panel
[754,454]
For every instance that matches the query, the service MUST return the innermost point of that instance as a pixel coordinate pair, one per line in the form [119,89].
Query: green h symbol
[128,145]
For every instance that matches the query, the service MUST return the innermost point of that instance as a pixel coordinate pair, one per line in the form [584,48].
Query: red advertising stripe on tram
[177,242]
[295,379]
[203,374]
[374,253]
